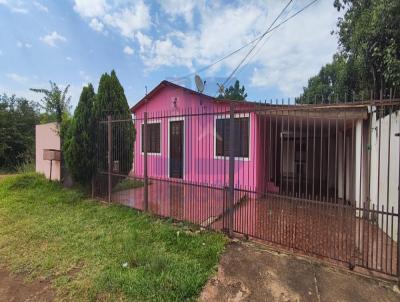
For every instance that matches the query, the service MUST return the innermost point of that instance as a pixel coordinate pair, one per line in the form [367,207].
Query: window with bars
[154,136]
[242,137]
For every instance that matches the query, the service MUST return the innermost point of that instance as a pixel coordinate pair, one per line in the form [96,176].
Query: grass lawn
[92,251]
[127,184]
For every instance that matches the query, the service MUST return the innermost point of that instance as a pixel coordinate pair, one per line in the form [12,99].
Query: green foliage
[79,143]
[369,55]
[111,100]
[80,246]
[26,167]
[334,81]
[55,102]
[18,118]
[234,92]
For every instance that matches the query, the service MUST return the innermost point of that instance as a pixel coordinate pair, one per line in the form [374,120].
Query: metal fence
[322,179]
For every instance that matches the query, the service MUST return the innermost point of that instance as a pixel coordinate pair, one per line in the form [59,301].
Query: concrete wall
[385,176]
[47,138]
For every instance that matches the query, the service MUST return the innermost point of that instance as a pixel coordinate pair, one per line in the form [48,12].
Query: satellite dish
[199,83]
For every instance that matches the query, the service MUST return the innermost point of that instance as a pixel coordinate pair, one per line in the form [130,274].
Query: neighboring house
[312,151]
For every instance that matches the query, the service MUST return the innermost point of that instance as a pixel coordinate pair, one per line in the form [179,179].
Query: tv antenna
[221,88]
[199,83]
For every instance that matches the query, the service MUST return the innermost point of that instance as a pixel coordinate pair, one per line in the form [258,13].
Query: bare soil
[252,272]
[13,288]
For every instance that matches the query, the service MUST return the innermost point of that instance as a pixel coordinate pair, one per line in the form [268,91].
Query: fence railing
[321,179]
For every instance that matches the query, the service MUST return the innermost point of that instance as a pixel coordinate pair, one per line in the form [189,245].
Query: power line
[255,45]
[245,45]
[280,24]
[237,50]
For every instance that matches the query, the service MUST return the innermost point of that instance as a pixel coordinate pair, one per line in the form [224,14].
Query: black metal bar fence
[321,179]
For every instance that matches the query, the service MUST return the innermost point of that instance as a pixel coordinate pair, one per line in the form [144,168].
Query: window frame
[224,117]
[141,137]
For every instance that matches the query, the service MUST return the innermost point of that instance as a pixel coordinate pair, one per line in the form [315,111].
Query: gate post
[146,192]
[109,153]
[398,221]
[231,193]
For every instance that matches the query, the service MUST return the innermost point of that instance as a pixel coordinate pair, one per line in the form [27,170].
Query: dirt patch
[251,272]
[13,288]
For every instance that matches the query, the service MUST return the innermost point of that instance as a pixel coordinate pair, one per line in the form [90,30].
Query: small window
[241,126]
[153,141]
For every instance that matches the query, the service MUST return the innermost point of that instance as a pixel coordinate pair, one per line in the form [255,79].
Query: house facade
[332,152]
[188,138]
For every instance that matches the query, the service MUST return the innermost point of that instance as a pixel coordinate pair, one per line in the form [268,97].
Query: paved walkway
[251,272]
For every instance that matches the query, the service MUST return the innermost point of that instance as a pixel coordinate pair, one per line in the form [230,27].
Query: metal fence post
[398,222]
[109,153]
[231,194]
[146,189]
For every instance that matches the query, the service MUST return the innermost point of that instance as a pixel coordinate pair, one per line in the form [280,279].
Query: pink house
[189,139]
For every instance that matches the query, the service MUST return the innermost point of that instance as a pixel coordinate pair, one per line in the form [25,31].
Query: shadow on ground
[249,272]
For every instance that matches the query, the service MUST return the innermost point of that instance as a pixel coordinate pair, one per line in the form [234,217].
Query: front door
[176,149]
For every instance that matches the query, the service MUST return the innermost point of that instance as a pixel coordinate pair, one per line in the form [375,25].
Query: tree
[18,118]
[369,51]
[79,148]
[335,81]
[369,32]
[234,92]
[111,100]
[55,102]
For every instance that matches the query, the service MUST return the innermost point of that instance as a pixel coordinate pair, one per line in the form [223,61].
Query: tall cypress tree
[79,150]
[111,100]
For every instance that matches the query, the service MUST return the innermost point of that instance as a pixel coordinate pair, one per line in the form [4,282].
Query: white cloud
[130,20]
[210,40]
[90,8]
[1,52]
[69,59]
[16,77]
[25,45]
[297,51]
[15,6]
[179,8]
[52,39]
[41,7]
[144,41]
[125,17]
[96,25]
[291,55]
[128,50]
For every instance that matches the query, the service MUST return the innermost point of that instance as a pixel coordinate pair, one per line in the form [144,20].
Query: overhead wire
[235,51]
[277,26]
[258,41]
[180,79]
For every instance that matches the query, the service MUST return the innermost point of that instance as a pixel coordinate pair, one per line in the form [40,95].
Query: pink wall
[200,163]
[47,138]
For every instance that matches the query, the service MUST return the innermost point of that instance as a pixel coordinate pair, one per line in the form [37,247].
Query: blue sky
[74,42]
